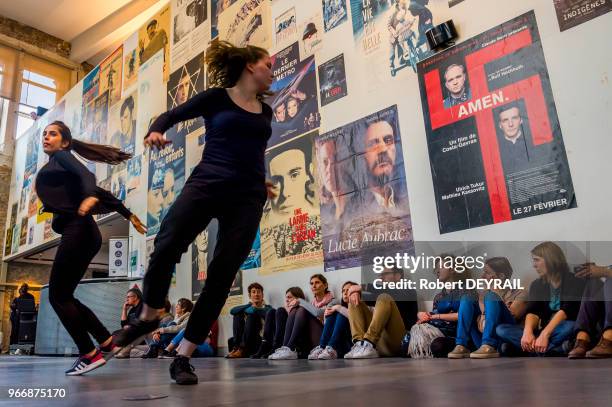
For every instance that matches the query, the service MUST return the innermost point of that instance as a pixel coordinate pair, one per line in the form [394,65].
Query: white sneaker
[283,353]
[367,351]
[314,354]
[328,353]
[354,350]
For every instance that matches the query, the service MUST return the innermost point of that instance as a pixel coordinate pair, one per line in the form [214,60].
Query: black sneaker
[181,371]
[133,332]
[152,353]
[264,351]
[167,355]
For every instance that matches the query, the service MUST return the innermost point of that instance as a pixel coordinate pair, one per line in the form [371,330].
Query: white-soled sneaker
[354,350]
[328,353]
[283,353]
[314,354]
[367,351]
[86,364]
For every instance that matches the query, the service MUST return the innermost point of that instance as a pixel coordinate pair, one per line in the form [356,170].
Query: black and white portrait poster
[362,191]
[332,80]
[189,33]
[295,100]
[495,145]
[334,13]
[291,225]
[571,13]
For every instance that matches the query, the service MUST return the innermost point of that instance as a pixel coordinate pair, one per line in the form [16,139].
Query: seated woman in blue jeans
[479,319]
[336,336]
[552,308]
[207,348]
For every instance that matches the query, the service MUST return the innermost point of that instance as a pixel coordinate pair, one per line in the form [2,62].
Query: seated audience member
[248,322]
[304,321]
[336,337]
[275,323]
[132,306]
[552,308]
[163,335]
[478,319]
[207,349]
[130,312]
[595,315]
[378,331]
[166,317]
[445,312]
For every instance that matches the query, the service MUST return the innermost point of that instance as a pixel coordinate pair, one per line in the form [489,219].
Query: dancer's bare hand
[271,190]
[138,225]
[87,205]
[157,140]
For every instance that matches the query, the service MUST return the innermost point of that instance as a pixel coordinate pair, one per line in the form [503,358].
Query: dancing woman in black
[68,190]
[228,184]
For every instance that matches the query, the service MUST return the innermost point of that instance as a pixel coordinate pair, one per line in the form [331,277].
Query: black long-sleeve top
[571,290]
[64,182]
[236,139]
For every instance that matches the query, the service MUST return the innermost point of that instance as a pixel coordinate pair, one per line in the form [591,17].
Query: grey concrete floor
[372,383]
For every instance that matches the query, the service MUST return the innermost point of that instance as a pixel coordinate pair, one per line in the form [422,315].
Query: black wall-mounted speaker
[442,36]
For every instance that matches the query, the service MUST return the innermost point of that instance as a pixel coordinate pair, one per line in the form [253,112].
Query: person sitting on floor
[304,321]
[248,323]
[445,311]
[595,315]
[378,331]
[275,323]
[336,337]
[129,312]
[207,349]
[478,319]
[163,335]
[552,309]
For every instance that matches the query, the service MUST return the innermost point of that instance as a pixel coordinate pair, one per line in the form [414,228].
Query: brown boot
[603,350]
[237,353]
[580,349]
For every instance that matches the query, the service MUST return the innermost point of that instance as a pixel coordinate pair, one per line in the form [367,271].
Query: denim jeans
[513,333]
[495,312]
[201,351]
[336,333]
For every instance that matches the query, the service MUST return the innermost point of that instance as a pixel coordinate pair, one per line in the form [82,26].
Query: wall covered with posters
[377,142]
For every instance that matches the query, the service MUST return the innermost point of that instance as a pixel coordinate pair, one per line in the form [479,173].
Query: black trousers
[595,315]
[274,327]
[238,213]
[246,329]
[79,243]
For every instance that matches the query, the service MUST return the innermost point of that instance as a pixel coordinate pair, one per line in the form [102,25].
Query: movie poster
[151,89]
[247,23]
[154,36]
[334,13]
[311,35]
[74,109]
[189,33]
[122,124]
[31,165]
[131,62]
[391,36]
[166,180]
[99,117]
[294,103]
[291,224]
[332,80]
[495,145]
[91,85]
[134,171]
[362,191]
[48,232]
[285,28]
[23,231]
[217,7]
[42,216]
[571,13]
[202,250]
[111,70]
[8,241]
[253,260]
[185,83]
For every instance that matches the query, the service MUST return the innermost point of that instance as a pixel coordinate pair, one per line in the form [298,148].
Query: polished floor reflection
[378,383]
